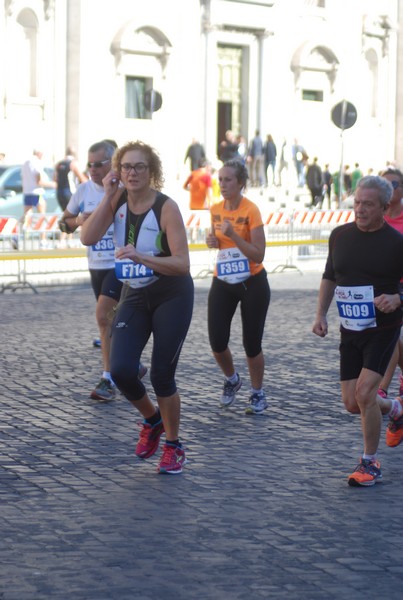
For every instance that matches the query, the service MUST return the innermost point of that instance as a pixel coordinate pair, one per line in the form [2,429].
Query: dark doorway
[224,120]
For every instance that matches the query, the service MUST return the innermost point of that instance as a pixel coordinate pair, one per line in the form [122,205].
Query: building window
[312,95]
[136,87]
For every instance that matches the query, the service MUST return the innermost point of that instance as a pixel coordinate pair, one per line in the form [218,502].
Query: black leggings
[254,296]
[163,309]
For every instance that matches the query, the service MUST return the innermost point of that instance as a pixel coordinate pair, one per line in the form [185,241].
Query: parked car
[11,197]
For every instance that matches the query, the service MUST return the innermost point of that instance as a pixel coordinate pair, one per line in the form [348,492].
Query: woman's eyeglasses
[138,168]
[396,184]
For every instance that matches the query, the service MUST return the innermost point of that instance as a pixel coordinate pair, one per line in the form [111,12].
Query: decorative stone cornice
[312,56]
[48,8]
[9,7]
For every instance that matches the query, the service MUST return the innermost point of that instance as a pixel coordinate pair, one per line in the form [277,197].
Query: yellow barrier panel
[273,244]
[44,254]
[82,252]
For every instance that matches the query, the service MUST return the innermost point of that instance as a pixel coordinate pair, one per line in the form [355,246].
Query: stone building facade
[77,71]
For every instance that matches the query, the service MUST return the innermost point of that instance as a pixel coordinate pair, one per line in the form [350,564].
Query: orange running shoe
[366,473]
[394,432]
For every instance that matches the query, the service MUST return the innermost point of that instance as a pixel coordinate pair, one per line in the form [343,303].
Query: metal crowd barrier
[302,234]
[36,253]
[35,250]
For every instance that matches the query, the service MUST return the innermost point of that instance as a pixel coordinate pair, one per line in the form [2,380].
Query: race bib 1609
[356,306]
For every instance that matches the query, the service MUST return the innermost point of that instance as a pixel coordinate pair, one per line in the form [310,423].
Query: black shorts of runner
[104,282]
[367,349]
[31,199]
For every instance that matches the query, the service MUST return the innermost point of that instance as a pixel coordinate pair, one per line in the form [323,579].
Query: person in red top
[199,185]
[239,278]
[394,216]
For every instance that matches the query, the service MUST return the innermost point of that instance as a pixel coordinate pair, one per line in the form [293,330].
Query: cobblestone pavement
[262,509]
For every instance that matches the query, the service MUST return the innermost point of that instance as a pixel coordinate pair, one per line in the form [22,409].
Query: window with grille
[312,95]
[136,88]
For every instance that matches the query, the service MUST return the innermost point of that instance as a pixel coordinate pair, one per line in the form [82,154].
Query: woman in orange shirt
[199,185]
[239,277]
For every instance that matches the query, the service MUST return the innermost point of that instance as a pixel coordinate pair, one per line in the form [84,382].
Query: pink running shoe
[172,461]
[149,439]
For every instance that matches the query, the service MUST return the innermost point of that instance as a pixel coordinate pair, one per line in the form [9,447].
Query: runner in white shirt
[101,257]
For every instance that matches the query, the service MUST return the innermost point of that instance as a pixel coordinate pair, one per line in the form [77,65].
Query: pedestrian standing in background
[242,151]
[355,177]
[347,181]
[152,258]
[270,155]
[314,181]
[338,191]
[283,163]
[256,160]
[327,185]
[228,147]
[299,157]
[363,270]
[195,154]
[67,176]
[239,278]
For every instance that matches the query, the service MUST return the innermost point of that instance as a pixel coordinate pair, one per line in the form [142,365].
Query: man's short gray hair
[105,146]
[381,185]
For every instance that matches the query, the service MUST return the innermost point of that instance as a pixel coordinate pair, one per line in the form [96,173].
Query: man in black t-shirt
[363,270]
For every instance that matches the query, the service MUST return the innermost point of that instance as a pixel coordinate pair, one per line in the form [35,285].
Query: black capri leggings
[254,296]
[163,309]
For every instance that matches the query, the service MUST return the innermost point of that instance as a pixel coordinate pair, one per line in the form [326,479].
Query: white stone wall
[82,81]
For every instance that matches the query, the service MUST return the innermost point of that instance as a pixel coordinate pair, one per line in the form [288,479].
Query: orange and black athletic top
[245,218]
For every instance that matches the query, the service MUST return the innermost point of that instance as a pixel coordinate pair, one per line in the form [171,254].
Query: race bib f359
[232,266]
